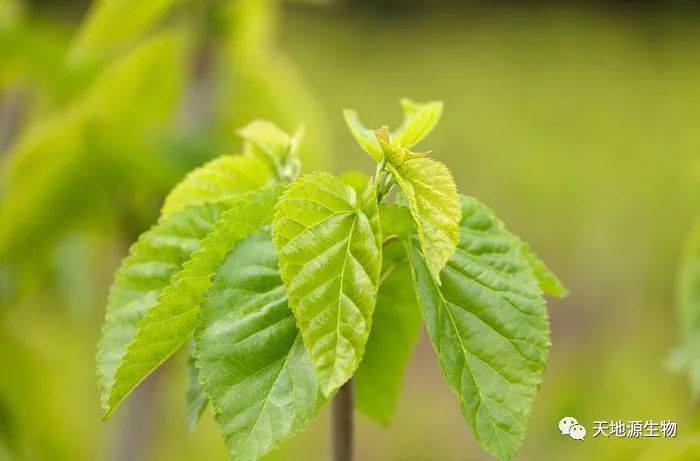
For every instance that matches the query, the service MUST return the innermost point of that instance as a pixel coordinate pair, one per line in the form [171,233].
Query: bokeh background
[579,123]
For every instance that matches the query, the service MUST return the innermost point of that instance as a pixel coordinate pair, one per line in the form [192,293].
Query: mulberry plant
[293,290]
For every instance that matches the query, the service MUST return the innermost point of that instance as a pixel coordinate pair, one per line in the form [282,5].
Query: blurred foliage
[588,116]
[127,113]
[96,125]
[685,358]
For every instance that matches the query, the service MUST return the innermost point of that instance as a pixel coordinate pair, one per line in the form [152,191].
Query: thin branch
[343,423]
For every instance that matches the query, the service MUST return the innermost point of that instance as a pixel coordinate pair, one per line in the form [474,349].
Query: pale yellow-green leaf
[328,241]
[355,179]
[269,138]
[419,121]
[434,203]
[157,255]
[223,176]
[364,136]
[170,321]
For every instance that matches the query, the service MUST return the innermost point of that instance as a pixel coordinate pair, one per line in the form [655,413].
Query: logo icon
[570,426]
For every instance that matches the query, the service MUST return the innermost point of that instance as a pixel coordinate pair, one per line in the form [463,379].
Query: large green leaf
[434,203]
[396,324]
[328,240]
[488,323]
[172,319]
[225,175]
[252,360]
[153,259]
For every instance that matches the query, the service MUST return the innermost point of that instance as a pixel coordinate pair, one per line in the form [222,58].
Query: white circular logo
[566,423]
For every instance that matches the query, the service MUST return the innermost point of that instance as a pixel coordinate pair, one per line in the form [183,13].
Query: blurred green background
[578,123]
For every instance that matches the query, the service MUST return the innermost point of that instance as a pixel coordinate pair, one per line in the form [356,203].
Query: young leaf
[153,259]
[268,138]
[434,203]
[252,360]
[171,321]
[396,322]
[364,136]
[489,325]
[328,240]
[195,401]
[355,179]
[419,121]
[221,177]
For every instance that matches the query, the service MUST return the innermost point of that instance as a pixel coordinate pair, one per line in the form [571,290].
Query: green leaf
[434,203]
[90,166]
[252,360]
[98,37]
[549,282]
[419,121]
[396,322]
[221,177]
[355,179]
[261,83]
[270,139]
[171,321]
[138,76]
[153,259]
[195,401]
[328,240]
[489,326]
[364,136]
[686,357]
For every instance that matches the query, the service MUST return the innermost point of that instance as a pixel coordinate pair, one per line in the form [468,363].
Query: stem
[390,271]
[344,401]
[343,424]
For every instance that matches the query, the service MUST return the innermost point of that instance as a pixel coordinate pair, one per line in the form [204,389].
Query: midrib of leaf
[342,292]
[320,220]
[142,276]
[264,401]
[434,206]
[468,354]
[491,268]
[246,319]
